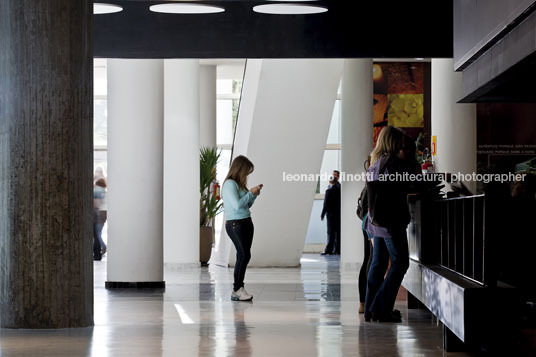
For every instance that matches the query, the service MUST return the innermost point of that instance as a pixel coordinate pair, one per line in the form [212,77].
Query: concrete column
[356,145]
[454,124]
[207,106]
[46,154]
[181,163]
[135,182]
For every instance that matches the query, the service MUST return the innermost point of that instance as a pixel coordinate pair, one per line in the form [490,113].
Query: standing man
[337,176]
[332,208]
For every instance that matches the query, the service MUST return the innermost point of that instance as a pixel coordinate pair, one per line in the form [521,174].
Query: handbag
[362,204]
[387,201]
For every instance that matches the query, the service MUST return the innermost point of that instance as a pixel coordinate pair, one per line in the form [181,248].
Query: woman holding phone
[237,201]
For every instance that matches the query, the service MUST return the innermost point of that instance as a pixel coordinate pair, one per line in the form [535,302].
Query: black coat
[332,202]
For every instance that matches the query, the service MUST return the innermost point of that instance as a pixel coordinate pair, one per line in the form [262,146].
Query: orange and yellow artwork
[398,96]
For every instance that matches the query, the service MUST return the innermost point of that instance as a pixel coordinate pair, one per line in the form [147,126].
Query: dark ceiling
[350,29]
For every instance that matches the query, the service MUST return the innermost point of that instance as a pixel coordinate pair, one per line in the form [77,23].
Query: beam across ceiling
[350,29]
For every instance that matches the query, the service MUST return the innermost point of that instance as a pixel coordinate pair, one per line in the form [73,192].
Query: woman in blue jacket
[237,200]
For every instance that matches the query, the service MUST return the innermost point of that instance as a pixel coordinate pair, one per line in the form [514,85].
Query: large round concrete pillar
[135,166]
[356,145]
[207,107]
[453,124]
[181,163]
[46,164]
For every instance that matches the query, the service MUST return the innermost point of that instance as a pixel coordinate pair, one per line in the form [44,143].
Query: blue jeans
[241,233]
[381,294]
[98,244]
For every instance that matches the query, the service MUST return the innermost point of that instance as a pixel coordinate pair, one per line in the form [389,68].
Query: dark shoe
[325,253]
[392,317]
[397,313]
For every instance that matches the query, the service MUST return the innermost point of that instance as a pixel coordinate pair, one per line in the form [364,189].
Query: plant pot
[206,240]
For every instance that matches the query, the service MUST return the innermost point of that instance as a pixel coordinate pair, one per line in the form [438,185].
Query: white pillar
[135,135]
[454,124]
[207,107]
[181,163]
[356,145]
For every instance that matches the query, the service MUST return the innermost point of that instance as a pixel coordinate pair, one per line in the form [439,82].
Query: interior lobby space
[267,178]
[303,311]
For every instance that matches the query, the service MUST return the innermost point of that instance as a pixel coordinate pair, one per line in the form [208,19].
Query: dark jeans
[381,294]
[97,239]
[334,235]
[363,272]
[241,233]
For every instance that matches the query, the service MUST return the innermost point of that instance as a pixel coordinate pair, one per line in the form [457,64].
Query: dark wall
[478,24]
[506,136]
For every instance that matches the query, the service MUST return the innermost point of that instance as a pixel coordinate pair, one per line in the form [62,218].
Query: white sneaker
[241,295]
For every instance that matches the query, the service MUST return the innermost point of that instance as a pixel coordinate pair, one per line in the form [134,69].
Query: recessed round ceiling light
[186,8]
[101,8]
[289,9]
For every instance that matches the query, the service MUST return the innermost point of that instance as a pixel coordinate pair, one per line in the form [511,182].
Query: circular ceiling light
[102,8]
[186,8]
[289,9]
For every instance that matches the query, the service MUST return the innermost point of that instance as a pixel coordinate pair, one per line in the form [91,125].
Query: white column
[207,106]
[454,124]
[356,145]
[135,135]
[181,163]
[283,124]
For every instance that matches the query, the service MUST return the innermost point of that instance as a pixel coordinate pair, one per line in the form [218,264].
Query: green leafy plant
[210,204]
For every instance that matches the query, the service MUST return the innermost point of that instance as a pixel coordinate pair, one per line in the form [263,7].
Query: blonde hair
[390,141]
[241,167]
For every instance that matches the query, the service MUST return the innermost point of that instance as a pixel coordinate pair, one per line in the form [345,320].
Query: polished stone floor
[310,311]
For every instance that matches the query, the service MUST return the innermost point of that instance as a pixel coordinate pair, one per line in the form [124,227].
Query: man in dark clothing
[337,179]
[332,208]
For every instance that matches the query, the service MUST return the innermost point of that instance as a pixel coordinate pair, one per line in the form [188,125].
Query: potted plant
[210,204]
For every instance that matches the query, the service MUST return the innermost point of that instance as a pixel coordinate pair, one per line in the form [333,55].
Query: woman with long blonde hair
[390,156]
[237,200]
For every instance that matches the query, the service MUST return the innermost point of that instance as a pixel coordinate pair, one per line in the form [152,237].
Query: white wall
[454,124]
[356,145]
[135,136]
[181,162]
[207,106]
[288,110]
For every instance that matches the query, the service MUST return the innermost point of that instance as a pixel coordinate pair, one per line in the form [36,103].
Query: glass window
[99,78]
[224,86]
[334,136]
[100,114]
[330,162]
[224,122]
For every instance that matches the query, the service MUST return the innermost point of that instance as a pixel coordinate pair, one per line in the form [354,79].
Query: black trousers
[241,233]
[334,235]
[363,272]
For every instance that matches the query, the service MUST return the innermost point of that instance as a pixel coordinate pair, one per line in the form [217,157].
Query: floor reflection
[307,311]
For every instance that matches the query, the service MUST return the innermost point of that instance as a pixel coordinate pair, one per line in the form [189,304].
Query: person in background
[332,209]
[237,201]
[99,218]
[98,174]
[388,157]
[337,175]
[367,250]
